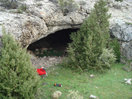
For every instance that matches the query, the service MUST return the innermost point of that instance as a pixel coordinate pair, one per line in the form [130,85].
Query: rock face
[123,32]
[121,25]
[44,17]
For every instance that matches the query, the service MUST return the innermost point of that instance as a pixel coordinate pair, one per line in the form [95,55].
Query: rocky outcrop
[44,17]
[123,32]
[121,25]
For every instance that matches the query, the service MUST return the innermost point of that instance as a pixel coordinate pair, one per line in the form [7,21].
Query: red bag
[41,71]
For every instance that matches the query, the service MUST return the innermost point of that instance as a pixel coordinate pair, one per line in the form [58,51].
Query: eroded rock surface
[44,17]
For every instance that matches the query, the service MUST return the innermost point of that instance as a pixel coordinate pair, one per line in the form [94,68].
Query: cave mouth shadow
[54,44]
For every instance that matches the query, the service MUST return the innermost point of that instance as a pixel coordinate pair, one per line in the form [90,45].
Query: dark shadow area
[57,42]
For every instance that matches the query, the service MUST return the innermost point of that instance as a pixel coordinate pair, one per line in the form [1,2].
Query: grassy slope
[106,86]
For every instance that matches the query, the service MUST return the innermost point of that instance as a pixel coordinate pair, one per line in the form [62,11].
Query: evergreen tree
[88,43]
[18,78]
[102,18]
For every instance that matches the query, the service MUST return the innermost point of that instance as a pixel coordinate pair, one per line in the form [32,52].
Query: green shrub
[18,78]
[22,8]
[13,4]
[67,6]
[114,44]
[88,43]
[107,58]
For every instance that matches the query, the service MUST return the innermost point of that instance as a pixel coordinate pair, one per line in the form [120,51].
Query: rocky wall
[44,17]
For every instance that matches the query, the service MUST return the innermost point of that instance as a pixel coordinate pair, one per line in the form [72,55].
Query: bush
[119,0]
[18,78]
[107,58]
[67,6]
[88,43]
[22,8]
[13,4]
[114,44]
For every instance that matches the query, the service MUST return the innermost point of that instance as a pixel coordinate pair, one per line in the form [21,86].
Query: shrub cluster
[18,78]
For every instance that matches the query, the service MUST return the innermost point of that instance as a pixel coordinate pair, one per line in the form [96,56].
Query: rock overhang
[39,22]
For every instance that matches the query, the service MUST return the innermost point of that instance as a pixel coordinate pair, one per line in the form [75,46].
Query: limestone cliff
[44,17]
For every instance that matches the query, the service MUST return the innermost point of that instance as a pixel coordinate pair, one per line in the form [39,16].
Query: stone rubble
[46,62]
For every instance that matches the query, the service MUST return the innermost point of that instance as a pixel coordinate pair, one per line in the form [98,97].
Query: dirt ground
[46,61]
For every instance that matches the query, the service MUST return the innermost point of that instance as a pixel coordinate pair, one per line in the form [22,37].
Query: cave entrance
[54,44]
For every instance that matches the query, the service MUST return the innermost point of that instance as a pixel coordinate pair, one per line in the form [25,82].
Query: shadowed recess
[57,42]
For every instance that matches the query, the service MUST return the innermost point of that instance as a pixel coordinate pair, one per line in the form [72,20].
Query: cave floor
[46,61]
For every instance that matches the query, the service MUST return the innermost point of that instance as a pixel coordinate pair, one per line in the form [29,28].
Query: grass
[109,85]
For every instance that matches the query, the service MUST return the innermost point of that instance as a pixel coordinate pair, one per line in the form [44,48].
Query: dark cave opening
[54,44]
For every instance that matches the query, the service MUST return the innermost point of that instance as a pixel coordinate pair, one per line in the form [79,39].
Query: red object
[41,71]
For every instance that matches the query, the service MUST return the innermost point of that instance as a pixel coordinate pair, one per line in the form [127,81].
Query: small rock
[91,76]
[56,94]
[128,81]
[92,97]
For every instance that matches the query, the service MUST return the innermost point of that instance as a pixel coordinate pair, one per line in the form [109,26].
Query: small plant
[107,58]
[115,45]
[22,8]
[39,4]
[119,0]
[10,4]
[129,23]
[18,78]
[67,6]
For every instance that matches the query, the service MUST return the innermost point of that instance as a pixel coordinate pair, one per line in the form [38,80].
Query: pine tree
[18,78]
[101,10]
[89,42]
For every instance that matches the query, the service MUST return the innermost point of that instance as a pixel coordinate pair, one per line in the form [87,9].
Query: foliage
[107,58]
[114,44]
[101,11]
[119,0]
[18,78]
[129,23]
[88,43]
[13,4]
[67,6]
[22,8]
[9,3]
